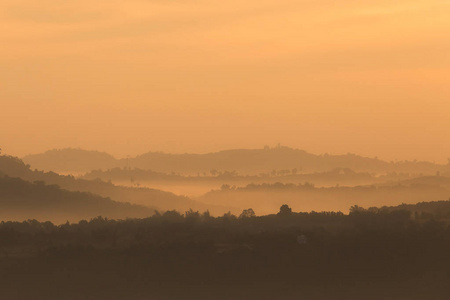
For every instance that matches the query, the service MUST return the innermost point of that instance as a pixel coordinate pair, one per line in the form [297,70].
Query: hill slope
[21,200]
[70,160]
[244,161]
[266,198]
[157,199]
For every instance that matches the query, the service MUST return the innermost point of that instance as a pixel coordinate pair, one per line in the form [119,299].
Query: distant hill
[437,210]
[14,167]
[338,176]
[70,160]
[437,181]
[244,161]
[21,200]
[265,198]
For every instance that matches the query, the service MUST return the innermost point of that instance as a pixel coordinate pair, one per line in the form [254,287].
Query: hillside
[196,185]
[153,198]
[243,161]
[435,210]
[255,161]
[336,176]
[438,181]
[264,198]
[70,160]
[23,200]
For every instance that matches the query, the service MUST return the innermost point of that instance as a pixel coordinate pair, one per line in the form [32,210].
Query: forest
[377,253]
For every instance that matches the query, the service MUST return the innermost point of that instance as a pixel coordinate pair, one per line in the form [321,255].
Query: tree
[285,210]
[356,209]
[225,187]
[247,213]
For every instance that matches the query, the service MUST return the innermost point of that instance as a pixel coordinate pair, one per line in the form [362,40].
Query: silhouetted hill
[339,176]
[264,198]
[254,161]
[438,181]
[244,161]
[70,160]
[22,200]
[15,167]
[435,210]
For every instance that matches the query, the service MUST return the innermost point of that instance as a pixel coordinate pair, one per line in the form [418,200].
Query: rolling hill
[156,199]
[21,200]
[244,161]
[265,198]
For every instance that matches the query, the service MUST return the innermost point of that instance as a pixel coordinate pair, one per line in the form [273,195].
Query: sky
[367,77]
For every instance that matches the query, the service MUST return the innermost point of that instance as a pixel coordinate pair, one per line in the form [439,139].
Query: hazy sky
[368,77]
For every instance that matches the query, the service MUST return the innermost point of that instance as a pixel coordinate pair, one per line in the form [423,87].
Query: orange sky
[368,77]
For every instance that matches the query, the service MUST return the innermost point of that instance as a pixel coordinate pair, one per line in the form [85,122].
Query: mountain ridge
[247,161]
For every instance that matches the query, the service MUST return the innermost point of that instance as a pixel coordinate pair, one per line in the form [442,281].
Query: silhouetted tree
[285,210]
[247,213]
[356,209]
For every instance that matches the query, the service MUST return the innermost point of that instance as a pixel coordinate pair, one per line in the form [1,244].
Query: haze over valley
[234,180]
[207,149]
